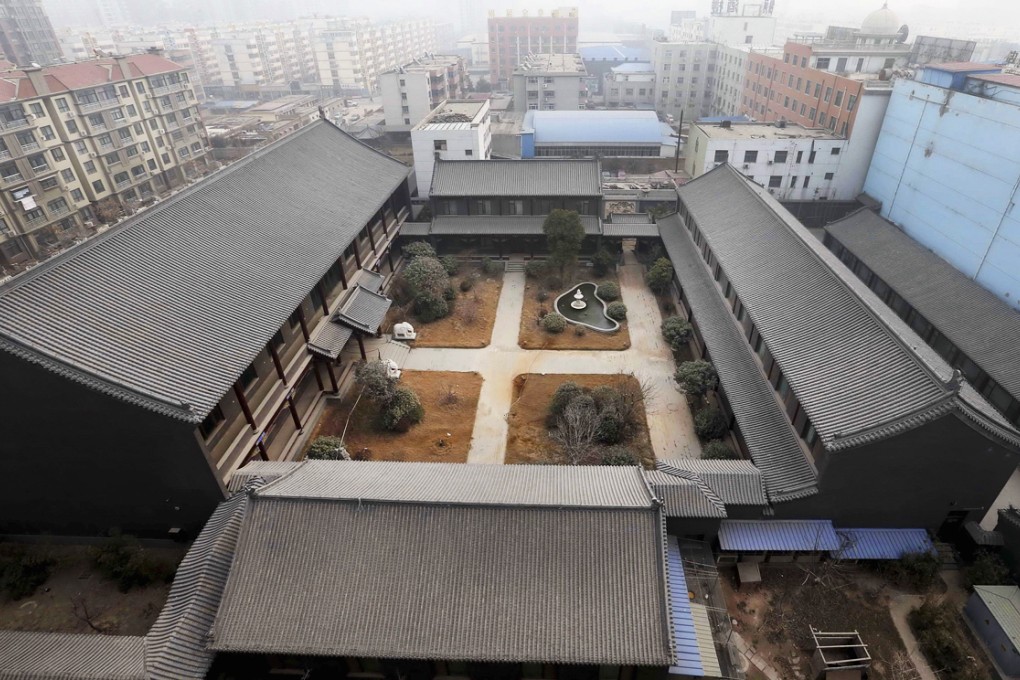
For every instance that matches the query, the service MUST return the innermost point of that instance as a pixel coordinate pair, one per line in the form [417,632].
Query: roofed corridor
[648,359]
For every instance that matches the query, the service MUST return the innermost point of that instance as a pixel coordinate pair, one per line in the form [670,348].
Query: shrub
[696,378]
[554,323]
[602,261]
[541,296]
[450,294]
[717,450]
[535,269]
[450,263]
[123,560]
[425,275]
[610,429]
[429,308]
[554,283]
[21,574]
[660,275]
[374,380]
[937,626]
[710,424]
[616,311]
[419,249]
[563,395]
[326,447]
[618,455]
[467,283]
[608,291]
[490,267]
[402,411]
[579,331]
[988,569]
[677,332]
[918,571]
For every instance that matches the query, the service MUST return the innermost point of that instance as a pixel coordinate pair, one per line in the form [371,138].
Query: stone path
[649,359]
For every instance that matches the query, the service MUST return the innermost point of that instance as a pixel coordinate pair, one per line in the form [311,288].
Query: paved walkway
[899,607]
[648,359]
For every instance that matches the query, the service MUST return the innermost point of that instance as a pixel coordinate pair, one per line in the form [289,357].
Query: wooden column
[243,401]
[263,454]
[293,412]
[361,345]
[322,298]
[389,258]
[276,361]
[371,238]
[343,274]
[318,377]
[304,322]
[332,378]
[357,254]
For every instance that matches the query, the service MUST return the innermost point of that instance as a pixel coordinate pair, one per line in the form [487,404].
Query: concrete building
[477,46]
[580,134]
[550,81]
[994,614]
[745,23]
[512,39]
[940,173]
[685,77]
[792,162]
[927,49]
[83,142]
[411,91]
[220,325]
[599,60]
[731,73]
[629,86]
[26,34]
[454,131]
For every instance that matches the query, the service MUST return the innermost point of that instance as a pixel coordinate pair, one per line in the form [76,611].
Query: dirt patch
[776,616]
[533,337]
[528,439]
[444,435]
[472,316]
[72,580]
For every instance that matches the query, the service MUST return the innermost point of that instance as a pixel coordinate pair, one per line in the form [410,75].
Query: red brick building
[512,38]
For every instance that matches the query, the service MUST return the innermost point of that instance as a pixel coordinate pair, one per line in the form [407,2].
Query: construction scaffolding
[705,590]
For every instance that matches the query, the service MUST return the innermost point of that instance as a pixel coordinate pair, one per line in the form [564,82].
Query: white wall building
[455,131]
[793,162]
[685,78]
[750,24]
[411,91]
[550,82]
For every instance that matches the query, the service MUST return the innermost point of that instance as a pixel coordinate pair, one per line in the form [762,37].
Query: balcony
[13,178]
[168,89]
[98,106]
[123,184]
[30,146]
[5,155]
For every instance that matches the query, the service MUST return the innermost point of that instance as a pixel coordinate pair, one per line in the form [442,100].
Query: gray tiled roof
[629,230]
[736,482]
[53,656]
[167,309]
[435,581]
[490,225]
[329,339]
[607,486]
[858,371]
[414,229]
[690,498]
[765,428]
[631,218]
[176,645]
[363,309]
[1003,603]
[517,178]
[267,470]
[980,324]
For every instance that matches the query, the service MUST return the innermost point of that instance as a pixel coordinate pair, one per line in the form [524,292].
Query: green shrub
[710,423]
[618,455]
[541,296]
[123,560]
[563,395]
[450,263]
[428,308]
[326,447]
[374,380]
[608,291]
[419,249]
[677,331]
[917,571]
[450,294]
[940,636]
[554,323]
[717,450]
[616,311]
[402,411]
[425,275]
[611,428]
[554,283]
[535,269]
[491,267]
[467,283]
[696,378]
[660,275]
[21,574]
[602,261]
[987,569]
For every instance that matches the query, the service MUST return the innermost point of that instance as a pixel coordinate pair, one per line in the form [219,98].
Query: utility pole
[679,128]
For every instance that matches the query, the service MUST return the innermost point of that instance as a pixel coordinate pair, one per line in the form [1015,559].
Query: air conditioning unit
[161,131]
[92,154]
[746,166]
[770,162]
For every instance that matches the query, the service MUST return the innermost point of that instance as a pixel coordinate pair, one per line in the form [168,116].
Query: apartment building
[550,81]
[630,85]
[455,131]
[193,337]
[512,39]
[731,71]
[26,34]
[685,77]
[737,24]
[81,142]
[411,91]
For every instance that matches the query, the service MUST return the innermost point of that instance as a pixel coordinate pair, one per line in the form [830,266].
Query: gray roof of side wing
[329,339]
[490,225]
[980,324]
[167,309]
[56,656]
[363,309]
[517,178]
[736,482]
[858,371]
[764,426]
[686,498]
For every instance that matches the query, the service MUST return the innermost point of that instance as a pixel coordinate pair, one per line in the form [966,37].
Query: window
[47,132]
[793,182]
[37,109]
[850,102]
[131,151]
[889,63]
[77,196]
[35,214]
[26,138]
[811,114]
[806,180]
[89,166]
[57,205]
[124,134]
[58,154]
[829,175]
[467,152]
[138,171]
[48,183]
[750,156]
[800,156]
[123,90]
[96,119]
[131,110]
[839,99]
[722,156]
[38,162]
[841,64]
[111,158]
[145,147]
[67,175]
[72,127]
[818,89]
[775,181]
[151,163]
[117,114]
[213,420]
[249,376]
[62,105]
[834,151]
[822,64]
[780,156]
[105,140]
[98,186]
[828,94]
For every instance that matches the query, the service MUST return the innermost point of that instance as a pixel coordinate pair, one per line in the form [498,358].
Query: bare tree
[80,609]
[576,429]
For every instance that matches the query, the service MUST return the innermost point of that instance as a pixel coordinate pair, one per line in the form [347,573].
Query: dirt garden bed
[528,439]
[444,435]
[776,616]
[76,585]
[574,337]
[472,316]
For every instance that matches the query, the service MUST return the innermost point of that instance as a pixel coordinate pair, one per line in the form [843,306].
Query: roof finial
[955,381]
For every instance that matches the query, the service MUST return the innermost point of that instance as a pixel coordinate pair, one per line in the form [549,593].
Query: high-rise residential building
[26,34]
[513,38]
[80,143]
[685,77]
[550,81]
[411,91]
[737,24]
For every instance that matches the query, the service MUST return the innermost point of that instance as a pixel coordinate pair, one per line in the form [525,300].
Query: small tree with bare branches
[576,429]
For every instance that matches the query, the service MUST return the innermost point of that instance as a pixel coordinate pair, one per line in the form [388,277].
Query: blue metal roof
[584,127]
[688,654]
[881,544]
[781,535]
[634,67]
[614,53]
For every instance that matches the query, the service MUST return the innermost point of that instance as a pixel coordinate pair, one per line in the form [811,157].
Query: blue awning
[807,535]
[688,653]
[881,544]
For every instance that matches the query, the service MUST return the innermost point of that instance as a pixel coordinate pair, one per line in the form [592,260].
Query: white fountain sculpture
[578,302]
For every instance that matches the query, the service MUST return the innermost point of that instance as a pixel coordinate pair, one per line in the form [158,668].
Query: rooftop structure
[517,178]
[592,133]
[550,81]
[511,39]
[551,65]
[453,131]
[410,91]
